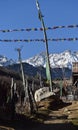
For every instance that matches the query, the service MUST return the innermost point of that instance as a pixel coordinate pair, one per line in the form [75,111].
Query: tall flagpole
[46,42]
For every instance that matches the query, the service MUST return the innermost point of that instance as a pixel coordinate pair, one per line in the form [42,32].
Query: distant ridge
[32,66]
[57,60]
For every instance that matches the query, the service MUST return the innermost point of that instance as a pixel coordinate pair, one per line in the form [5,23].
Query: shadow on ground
[57,104]
[23,123]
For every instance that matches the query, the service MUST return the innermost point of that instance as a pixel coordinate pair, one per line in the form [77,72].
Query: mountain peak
[57,60]
[4,61]
[63,59]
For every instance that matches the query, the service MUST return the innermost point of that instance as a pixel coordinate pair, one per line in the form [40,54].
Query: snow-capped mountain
[4,61]
[36,64]
[38,60]
[57,60]
[64,59]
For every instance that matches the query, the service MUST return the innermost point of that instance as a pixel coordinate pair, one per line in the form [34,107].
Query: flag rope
[37,29]
[38,40]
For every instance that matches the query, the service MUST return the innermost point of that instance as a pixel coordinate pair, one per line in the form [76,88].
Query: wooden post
[22,71]
[61,86]
[14,87]
[26,91]
[26,99]
[12,82]
[23,76]
[46,42]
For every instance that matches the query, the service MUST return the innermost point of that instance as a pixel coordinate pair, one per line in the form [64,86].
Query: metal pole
[45,39]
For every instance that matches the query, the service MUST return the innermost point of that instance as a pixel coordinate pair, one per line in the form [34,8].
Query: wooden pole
[12,82]
[45,39]
[22,71]
[25,84]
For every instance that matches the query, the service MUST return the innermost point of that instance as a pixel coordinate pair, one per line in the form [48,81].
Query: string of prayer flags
[38,40]
[37,29]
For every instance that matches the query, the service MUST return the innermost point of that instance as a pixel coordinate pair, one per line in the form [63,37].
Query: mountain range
[60,63]
[4,61]
[57,60]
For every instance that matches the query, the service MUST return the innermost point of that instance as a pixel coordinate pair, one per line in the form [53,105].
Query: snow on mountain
[63,59]
[57,60]
[4,61]
[38,60]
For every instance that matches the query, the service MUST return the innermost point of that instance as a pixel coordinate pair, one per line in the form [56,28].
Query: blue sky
[18,14]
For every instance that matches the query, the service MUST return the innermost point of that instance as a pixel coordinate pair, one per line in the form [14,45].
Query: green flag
[48,71]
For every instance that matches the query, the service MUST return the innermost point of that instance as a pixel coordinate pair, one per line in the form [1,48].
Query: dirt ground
[26,124]
[65,114]
[52,115]
[60,111]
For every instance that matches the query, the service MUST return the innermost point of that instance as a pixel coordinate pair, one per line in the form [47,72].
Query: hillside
[57,73]
[60,63]
[9,73]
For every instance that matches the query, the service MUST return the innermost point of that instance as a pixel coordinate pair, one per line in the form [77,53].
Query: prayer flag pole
[48,70]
